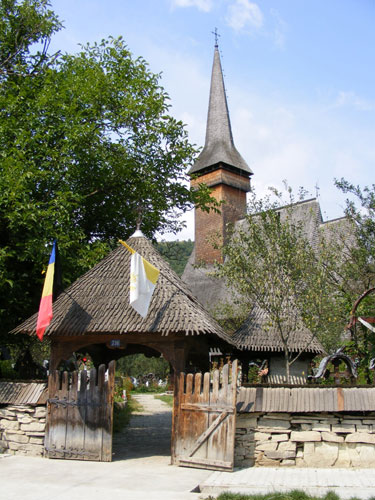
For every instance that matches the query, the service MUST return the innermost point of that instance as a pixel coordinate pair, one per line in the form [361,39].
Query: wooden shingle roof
[98,302]
[254,335]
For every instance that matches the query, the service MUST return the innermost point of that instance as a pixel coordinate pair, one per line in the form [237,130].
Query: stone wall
[305,440]
[22,429]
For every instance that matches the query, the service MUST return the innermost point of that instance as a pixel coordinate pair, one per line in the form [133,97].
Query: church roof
[98,302]
[219,146]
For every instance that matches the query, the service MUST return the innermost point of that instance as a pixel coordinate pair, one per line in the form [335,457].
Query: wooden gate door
[204,419]
[80,414]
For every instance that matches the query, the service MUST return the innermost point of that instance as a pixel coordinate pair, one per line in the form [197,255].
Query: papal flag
[143,278]
[45,307]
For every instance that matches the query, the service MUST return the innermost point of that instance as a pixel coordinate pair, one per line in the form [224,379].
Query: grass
[121,416]
[167,398]
[292,495]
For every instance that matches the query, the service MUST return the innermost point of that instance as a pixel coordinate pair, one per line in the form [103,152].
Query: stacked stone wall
[22,429]
[305,440]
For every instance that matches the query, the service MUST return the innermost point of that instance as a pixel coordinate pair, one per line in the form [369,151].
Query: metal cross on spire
[216,37]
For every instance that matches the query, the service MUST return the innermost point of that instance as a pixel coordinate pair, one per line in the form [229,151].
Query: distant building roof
[219,146]
[256,336]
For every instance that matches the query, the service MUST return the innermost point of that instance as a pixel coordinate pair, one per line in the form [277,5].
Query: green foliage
[150,389]
[6,370]
[357,272]
[23,24]
[121,415]
[270,264]
[137,365]
[87,150]
[166,398]
[176,253]
[292,495]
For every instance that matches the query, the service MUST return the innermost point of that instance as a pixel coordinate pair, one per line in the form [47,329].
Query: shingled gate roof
[98,302]
[255,336]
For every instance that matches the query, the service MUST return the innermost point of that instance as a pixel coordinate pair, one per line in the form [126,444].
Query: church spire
[219,147]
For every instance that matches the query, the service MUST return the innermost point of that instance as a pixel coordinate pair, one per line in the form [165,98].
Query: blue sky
[300,78]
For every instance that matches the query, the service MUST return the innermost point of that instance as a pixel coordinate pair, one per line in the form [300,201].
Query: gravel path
[148,433]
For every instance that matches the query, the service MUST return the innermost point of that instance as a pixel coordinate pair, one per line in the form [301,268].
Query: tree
[23,24]
[270,264]
[176,253]
[87,151]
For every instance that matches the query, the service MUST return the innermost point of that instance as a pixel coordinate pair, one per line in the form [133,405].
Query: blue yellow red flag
[45,307]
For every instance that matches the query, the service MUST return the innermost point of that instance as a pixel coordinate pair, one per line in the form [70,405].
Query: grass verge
[292,495]
[121,416]
[166,398]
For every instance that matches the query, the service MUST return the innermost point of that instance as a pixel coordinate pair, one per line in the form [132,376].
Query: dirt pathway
[148,433]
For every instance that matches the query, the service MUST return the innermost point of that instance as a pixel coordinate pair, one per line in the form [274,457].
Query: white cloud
[279,30]
[244,14]
[351,99]
[204,5]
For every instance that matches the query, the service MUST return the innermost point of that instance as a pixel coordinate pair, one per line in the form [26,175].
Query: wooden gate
[80,414]
[204,419]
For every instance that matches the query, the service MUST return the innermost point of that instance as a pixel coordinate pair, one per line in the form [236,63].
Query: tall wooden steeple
[221,167]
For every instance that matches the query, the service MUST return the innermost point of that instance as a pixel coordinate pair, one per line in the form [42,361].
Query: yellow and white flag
[143,278]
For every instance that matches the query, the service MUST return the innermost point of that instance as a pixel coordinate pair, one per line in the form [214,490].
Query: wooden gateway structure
[94,316]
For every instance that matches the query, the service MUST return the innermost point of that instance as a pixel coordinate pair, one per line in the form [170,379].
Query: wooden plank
[203,407]
[206,463]
[60,417]
[208,432]
[53,387]
[93,442]
[74,424]
[231,425]
[258,399]
[107,423]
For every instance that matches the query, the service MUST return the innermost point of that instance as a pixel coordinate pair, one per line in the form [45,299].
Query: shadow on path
[148,433]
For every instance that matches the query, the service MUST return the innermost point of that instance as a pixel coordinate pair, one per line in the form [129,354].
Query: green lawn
[166,398]
[292,495]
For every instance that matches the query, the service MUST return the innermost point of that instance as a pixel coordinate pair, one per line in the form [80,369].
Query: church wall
[298,371]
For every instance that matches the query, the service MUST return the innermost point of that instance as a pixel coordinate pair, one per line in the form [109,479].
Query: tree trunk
[287,366]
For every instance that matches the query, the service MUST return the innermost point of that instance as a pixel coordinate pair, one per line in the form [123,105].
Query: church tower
[221,167]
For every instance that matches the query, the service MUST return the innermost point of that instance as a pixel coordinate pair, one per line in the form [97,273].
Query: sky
[299,77]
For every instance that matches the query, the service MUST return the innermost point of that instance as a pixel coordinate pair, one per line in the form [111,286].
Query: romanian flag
[143,278]
[45,308]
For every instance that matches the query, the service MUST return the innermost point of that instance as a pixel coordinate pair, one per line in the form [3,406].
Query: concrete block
[268,445]
[360,437]
[274,423]
[262,436]
[17,438]
[280,437]
[320,427]
[343,428]
[34,426]
[287,446]
[9,424]
[324,455]
[280,455]
[332,437]
[288,463]
[302,436]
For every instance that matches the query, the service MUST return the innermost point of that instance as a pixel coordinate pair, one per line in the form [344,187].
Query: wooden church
[223,169]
